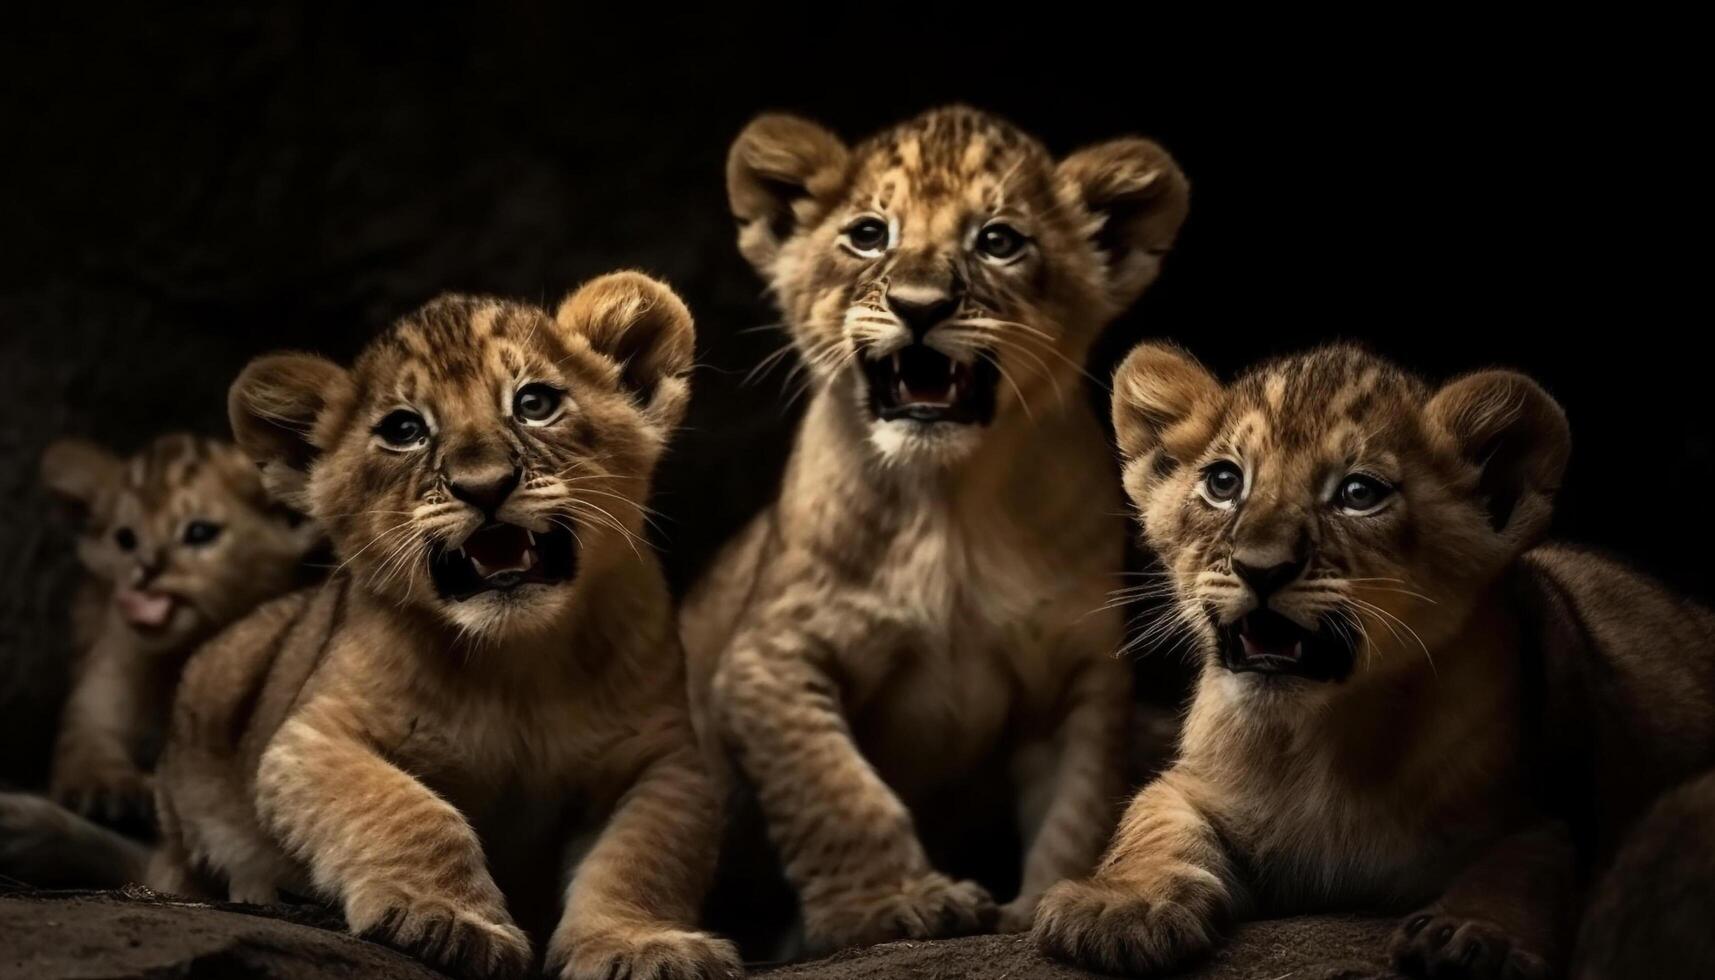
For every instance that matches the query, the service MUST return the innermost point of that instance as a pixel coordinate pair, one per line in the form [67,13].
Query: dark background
[179,192]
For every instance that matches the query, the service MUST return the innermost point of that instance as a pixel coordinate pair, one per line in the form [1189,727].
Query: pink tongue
[145,608]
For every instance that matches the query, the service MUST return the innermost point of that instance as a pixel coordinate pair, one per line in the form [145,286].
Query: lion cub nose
[1266,580]
[922,314]
[485,488]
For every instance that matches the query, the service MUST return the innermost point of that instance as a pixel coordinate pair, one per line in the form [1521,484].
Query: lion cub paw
[658,954]
[1437,943]
[931,906]
[1116,928]
[1017,915]
[114,793]
[465,940]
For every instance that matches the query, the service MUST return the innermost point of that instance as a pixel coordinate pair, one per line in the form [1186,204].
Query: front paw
[1017,915]
[466,939]
[111,792]
[1437,943]
[1123,928]
[930,906]
[644,954]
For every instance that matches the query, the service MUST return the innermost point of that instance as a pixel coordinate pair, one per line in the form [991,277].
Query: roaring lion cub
[923,601]
[492,670]
[1404,702]
[178,539]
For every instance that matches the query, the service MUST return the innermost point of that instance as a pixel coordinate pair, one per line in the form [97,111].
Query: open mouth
[922,384]
[502,557]
[1265,642]
[146,611]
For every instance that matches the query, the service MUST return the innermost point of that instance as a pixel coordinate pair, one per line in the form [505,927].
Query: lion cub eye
[403,429]
[1359,494]
[1000,241]
[198,533]
[1222,482]
[536,403]
[867,235]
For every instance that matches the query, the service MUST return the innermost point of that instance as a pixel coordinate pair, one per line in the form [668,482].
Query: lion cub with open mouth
[492,671]
[1403,704]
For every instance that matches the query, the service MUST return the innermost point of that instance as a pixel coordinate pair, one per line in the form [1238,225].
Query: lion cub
[923,602]
[178,540]
[492,671]
[1404,702]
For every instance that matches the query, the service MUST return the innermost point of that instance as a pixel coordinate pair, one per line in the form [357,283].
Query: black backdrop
[179,192]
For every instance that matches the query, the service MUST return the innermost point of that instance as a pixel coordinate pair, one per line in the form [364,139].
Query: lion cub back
[1624,652]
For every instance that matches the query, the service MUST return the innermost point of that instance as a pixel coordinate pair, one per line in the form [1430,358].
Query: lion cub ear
[644,327]
[273,407]
[781,174]
[1164,403]
[77,472]
[1137,197]
[1516,432]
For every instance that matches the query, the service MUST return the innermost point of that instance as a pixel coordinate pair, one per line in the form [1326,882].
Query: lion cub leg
[636,895]
[406,865]
[1158,896]
[1077,793]
[847,842]
[1504,916]
[95,769]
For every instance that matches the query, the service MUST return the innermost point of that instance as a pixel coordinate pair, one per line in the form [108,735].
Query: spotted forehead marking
[179,473]
[946,155]
[457,342]
[1336,399]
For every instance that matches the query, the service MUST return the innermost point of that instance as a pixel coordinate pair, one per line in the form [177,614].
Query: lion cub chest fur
[971,646]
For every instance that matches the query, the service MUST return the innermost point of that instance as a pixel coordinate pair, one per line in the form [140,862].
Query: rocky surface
[86,936]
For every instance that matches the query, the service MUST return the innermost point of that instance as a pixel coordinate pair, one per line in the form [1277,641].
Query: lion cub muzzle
[1264,640]
[497,556]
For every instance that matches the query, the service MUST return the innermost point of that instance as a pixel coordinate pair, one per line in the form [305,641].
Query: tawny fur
[140,541]
[921,600]
[385,748]
[1488,741]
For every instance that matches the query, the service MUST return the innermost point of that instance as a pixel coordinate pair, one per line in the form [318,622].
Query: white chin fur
[494,614]
[902,441]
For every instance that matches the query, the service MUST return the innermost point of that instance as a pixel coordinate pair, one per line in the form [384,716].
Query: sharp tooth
[532,536]
[953,392]
[952,368]
[897,367]
[903,393]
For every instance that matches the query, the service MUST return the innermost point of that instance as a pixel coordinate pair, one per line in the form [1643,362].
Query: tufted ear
[1516,432]
[76,472]
[781,173]
[1138,198]
[1161,394]
[644,327]
[273,407]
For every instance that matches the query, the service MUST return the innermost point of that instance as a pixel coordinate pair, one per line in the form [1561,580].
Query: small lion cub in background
[493,668]
[178,540]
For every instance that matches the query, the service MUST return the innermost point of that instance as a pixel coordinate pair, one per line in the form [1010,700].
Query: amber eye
[867,235]
[403,429]
[1000,241]
[199,533]
[1222,482]
[536,403]
[126,539]
[1360,494]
